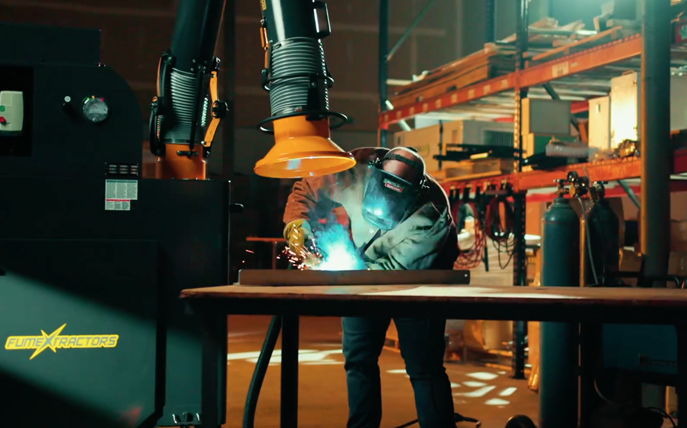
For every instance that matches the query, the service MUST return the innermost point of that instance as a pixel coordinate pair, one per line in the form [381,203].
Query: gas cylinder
[600,255]
[560,267]
[604,244]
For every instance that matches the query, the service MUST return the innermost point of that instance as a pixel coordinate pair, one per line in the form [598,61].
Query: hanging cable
[500,230]
[470,258]
[589,241]
[260,371]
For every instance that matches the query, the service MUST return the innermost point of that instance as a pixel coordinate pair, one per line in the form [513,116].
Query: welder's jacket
[426,239]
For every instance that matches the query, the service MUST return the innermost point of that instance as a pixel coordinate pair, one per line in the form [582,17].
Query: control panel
[11,113]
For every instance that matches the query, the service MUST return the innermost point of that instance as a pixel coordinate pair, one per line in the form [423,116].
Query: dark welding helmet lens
[386,198]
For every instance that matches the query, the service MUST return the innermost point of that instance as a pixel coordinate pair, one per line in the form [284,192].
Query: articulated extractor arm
[186,111]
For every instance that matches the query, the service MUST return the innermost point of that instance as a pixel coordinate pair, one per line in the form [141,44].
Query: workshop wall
[136,32]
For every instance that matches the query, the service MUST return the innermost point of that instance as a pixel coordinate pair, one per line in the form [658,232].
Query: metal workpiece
[656,148]
[269,277]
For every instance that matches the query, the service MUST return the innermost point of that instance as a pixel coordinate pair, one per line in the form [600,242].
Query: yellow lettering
[112,341]
[78,341]
[11,343]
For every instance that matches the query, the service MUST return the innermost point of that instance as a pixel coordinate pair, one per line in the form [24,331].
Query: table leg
[591,345]
[289,372]
[558,380]
[681,386]
[214,375]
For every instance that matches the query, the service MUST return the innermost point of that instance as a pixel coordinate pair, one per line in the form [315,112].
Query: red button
[2,120]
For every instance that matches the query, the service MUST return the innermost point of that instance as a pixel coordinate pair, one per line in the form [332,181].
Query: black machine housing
[92,256]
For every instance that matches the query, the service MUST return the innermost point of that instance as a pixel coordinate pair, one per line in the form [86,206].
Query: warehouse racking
[622,55]
[561,69]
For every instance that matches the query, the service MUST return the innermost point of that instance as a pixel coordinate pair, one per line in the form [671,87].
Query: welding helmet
[388,198]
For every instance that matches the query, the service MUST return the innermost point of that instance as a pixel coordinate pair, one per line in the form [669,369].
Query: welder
[399,219]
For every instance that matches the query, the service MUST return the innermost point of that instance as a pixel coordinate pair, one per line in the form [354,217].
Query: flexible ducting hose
[260,371]
[177,123]
[296,65]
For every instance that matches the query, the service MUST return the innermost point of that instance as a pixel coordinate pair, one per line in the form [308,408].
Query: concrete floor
[482,393]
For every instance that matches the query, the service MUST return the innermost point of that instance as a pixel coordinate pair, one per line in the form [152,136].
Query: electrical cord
[500,230]
[664,414]
[589,241]
[470,258]
[657,410]
[457,417]
[260,371]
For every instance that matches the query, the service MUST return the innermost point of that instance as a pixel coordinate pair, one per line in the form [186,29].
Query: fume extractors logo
[56,340]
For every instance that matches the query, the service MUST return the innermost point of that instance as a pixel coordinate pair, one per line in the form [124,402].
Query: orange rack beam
[612,170]
[532,76]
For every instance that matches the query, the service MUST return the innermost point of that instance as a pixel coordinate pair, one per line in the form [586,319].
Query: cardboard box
[427,142]
[600,123]
[625,96]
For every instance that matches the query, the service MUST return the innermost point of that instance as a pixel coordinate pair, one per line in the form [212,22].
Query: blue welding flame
[337,250]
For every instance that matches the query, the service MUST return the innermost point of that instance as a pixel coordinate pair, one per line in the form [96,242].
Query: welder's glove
[297,233]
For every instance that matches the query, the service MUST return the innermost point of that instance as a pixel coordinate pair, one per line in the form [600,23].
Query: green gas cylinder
[560,267]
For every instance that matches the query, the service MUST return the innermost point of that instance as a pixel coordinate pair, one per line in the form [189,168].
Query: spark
[330,250]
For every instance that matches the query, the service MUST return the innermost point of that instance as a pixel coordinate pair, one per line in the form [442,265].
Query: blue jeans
[422,348]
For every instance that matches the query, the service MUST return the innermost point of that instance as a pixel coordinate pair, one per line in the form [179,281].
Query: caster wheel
[520,421]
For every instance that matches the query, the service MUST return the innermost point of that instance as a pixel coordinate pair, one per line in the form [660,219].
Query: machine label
[56,341]
[119,194]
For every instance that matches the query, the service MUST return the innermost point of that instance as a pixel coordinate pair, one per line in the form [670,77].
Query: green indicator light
[2,108]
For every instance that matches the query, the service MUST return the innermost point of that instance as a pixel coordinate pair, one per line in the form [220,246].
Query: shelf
[612,170]
[587,60]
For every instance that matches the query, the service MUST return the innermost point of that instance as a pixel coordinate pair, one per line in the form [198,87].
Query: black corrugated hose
[260,371]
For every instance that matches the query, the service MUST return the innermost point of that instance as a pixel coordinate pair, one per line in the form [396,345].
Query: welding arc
[260,371]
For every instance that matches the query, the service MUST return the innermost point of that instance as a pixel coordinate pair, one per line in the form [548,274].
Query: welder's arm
[311,198]
[418,251]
